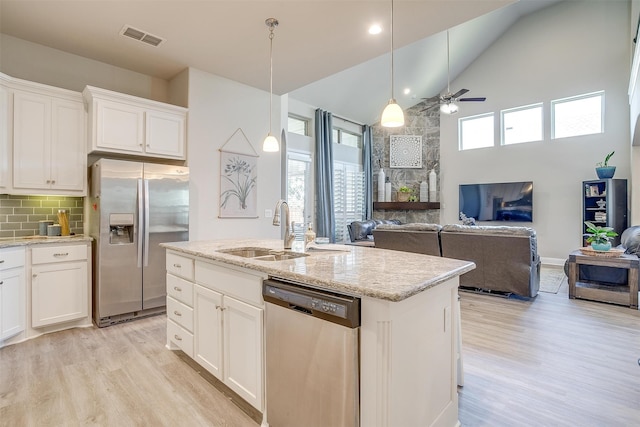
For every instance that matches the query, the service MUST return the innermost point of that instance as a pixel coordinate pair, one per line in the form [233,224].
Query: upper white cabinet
[125,124]
[48,144]
[6,132]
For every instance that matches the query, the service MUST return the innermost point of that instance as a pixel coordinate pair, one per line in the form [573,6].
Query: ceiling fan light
[270,144]
[449,108]
[392,116]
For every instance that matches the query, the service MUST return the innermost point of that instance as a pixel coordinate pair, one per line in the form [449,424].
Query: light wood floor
[547,362]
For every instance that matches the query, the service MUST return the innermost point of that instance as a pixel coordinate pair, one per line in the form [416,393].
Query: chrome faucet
[289,237]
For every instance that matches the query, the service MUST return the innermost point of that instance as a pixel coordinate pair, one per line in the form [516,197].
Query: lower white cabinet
[59,284]
[12,292]
[226,333]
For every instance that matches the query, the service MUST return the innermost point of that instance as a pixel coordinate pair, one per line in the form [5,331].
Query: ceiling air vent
[141,36]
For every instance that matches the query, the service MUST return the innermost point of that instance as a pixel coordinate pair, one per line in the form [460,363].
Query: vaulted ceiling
[323,54]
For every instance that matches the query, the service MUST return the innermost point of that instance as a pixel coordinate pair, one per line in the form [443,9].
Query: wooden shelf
[400,206]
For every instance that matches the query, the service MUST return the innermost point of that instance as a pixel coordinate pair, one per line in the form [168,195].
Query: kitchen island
[408,332]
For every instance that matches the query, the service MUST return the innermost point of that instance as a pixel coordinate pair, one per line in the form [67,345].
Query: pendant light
[270,143]
[392,116]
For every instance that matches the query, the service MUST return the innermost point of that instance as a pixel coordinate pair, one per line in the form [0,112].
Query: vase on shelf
[603,247]
[606,172]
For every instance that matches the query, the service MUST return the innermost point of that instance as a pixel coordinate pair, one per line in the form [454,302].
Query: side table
[615,294]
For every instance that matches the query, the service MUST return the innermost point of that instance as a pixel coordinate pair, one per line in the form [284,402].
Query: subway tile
[31,203]
[67,203]
[24,233]
[22,211]
[35,218]
[6,203]
[6,211]
[6,234]
[30,226]
[17,218]
[43,211]
[50,203]
[10,226]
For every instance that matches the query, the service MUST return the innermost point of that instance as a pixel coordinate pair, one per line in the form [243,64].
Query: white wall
[217,108]
[30,61]
[569,49]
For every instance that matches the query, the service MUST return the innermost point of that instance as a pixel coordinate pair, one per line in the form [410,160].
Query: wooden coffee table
[614,294]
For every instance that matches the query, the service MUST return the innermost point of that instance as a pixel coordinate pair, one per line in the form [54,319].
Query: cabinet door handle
[177,289]
[34,275]
[53,181]
[177,313]
[177,265]
[177,337]
[221,308]
[48,181]
[61,254]
[1,261]
[1,282]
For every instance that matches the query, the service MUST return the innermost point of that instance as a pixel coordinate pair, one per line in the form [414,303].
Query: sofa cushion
[362,229]
[490,229]
[412,226]
[630,240]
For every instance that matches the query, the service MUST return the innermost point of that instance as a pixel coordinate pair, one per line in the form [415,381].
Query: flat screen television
[505,201]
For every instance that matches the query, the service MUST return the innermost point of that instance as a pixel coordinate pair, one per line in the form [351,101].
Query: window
[476,132]
[578,115]
[344,137]
[522,124]
[298,125]
[348,190]
[299,192]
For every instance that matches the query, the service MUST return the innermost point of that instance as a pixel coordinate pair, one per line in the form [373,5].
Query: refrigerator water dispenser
[121,229]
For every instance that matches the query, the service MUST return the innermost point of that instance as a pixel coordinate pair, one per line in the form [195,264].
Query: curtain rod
[347,120]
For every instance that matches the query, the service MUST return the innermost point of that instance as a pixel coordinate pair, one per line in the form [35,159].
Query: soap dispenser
[309,235]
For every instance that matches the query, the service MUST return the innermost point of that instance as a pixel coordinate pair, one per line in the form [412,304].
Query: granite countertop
[353,270]
[8,242]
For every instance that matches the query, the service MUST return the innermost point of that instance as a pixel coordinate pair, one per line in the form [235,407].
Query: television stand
[595,291]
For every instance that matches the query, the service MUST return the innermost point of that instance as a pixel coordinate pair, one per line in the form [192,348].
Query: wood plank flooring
[547,362]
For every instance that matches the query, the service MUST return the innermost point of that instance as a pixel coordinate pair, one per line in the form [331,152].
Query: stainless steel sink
[263,254]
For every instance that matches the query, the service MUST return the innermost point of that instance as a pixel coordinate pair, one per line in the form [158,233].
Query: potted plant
[603,169]
[404,193]
[599,237]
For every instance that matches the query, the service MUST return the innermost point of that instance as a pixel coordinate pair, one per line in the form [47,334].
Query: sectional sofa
[506,258]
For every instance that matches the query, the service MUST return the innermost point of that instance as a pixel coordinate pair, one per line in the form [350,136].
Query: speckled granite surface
[38,240]
[360,271]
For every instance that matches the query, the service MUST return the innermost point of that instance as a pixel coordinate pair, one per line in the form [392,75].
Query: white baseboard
[553,261]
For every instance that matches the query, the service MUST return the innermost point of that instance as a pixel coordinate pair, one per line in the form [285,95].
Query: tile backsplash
[19,215]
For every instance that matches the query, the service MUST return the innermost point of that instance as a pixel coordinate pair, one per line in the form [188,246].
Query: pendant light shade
[392,116]
[270,143]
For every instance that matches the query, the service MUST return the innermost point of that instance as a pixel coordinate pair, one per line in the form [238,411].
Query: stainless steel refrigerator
[133,207]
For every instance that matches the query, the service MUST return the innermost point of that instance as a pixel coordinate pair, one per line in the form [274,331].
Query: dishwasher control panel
[341,309]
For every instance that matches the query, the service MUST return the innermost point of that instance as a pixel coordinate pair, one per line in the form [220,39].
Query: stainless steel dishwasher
[312,346]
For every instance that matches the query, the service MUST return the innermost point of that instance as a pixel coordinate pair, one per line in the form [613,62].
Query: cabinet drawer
[180,337]
[244,286]
[180,289]
[58,254]
[180,265]
[11,258]
[180,313]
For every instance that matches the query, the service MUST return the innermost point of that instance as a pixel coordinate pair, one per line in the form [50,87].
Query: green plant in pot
[599,237]
[404,193]
[603,169]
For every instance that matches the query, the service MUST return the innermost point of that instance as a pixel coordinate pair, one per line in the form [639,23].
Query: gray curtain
[367,143]
[325,216]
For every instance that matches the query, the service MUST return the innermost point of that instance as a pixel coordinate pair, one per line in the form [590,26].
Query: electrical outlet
[268,213]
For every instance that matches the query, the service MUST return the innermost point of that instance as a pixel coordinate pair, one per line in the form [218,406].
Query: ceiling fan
[447,101]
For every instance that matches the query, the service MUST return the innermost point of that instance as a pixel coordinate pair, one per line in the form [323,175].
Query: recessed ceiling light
[375,29]
[406,91]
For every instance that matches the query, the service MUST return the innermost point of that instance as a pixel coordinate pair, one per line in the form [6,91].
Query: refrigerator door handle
[146,222]
[140,223]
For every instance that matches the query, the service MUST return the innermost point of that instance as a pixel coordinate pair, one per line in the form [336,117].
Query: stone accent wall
[19,215]
[417,122]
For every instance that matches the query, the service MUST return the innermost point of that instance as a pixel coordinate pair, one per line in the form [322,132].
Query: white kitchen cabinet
[6,134]
[59,284]
[49,155]
[12,292]
[227,322]
[124,124]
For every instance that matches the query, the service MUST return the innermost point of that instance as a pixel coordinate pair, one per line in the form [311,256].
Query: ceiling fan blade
[460,93]
[431,107]
[473,99]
